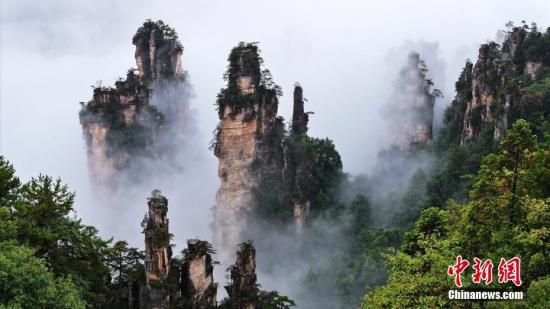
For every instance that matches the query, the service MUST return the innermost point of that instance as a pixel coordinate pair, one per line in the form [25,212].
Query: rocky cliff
[198,287]
[410,111]
[300,118]
[295,167]
[247,142]
[490,93]
[127,125]
[158,252]
[158,51]
[243,291]
[266,173]
[188,281]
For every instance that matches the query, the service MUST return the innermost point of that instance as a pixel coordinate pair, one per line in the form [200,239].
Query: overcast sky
[344,53]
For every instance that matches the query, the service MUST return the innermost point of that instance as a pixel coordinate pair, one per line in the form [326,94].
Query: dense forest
[477,188]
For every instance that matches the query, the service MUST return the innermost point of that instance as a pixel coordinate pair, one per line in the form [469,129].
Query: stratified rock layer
[243,290]
[295,167]
[244,144]
[489,91]
[158,51]
[158,252]
[121,125]
[300,118]
[199,289]
[410,112]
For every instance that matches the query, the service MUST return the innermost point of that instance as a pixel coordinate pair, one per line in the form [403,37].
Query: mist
[306,264]
[172,163]
[345,55]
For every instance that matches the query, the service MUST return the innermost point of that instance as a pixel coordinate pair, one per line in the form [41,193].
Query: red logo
[457,269]
[483,271]
[508,270]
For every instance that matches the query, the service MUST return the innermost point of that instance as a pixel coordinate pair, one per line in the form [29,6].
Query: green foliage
[534,105]
[26,281]
[272,203]
[9,183]
[507,216]
[159,236]
[128,276]
[433,223]
[412,202]
[200,248]
[319,170]
[163,34]
[417,70]
[538,294]
[452,163]
[230,96]
[43,221]
[415,281]
[363,268]
[316,177]
[360,212]
[245,60]
[535,46]
[38,226]
[272,300]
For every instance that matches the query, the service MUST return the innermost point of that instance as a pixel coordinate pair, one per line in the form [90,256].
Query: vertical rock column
[300,119]
[294,167]
[158,252]
[409,111]
[124,124]
[247,111]
[483,88]
[491,92]
[158,51]
[199,289]
[243,291]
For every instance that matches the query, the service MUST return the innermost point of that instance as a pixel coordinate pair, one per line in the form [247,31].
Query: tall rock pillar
[245,143]
[158,252]
[299,117]
[243,290]
[136,119]
[199,289]
[294,167]
[410,110]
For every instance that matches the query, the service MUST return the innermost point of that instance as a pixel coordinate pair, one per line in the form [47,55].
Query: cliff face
[295,166]
[243,290]
[188,282]
[128,123]
[198,287]
[265,173]
[158,252]
[410,111]
[489,92]
[300,118]
[158,51]
[119,123]
[245,143]
[488,76]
